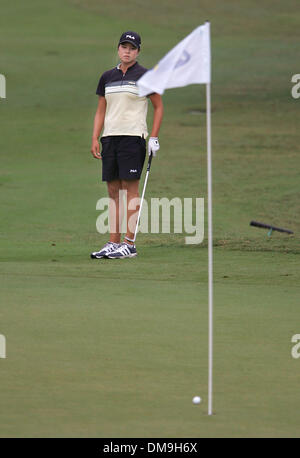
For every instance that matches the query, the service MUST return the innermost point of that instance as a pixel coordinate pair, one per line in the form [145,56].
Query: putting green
[119,348]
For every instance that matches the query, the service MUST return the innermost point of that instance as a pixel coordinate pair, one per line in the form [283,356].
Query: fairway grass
[119,348]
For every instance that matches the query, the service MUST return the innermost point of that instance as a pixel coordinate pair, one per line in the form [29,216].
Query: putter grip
[257,224]
[149,162]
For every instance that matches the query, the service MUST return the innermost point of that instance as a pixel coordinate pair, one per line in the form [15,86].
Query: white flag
[187,63]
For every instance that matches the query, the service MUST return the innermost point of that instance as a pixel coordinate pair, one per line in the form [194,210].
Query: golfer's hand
[95,149]
[153,146]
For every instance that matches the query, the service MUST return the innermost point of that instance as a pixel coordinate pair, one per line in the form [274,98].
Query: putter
[142,198]
[271,228]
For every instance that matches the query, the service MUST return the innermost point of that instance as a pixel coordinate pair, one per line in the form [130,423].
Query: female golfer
[122,114]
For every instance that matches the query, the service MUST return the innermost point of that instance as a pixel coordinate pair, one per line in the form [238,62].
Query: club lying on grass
[270,227]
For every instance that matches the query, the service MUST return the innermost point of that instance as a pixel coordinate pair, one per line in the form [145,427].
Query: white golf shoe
[109,247]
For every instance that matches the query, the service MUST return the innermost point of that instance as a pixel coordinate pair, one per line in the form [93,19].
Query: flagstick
[210,253]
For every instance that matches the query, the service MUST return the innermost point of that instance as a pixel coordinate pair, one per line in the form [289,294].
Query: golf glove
[153,146]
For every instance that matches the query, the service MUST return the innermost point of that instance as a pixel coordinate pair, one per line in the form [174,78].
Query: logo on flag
[183,60]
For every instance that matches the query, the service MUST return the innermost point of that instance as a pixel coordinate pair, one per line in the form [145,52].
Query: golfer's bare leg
[116,210]
[132,189]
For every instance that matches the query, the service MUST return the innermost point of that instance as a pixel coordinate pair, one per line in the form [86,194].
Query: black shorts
[123,157]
